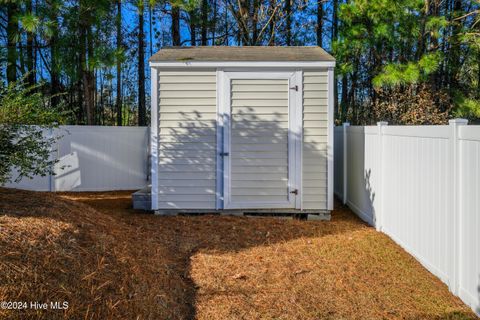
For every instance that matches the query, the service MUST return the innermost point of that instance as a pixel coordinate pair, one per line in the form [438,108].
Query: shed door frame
[295,136]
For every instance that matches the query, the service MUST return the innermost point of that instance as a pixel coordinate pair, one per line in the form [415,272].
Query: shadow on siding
[259,156]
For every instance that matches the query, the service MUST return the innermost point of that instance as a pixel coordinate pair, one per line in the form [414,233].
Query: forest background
[401,61]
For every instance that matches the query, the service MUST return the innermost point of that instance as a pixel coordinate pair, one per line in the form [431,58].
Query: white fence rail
[95,158]
[421,186]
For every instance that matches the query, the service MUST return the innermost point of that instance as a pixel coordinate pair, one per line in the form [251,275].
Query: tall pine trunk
[204,22]
[334,35]
[243,21]
[12,31]
[82,65]
[119,63]
[80,71]
[352,103]
[225,40]
[455,53]
[30,50]
[320,23]
[142,121]
[89,81]
[344,104]
[214,21]
[444,47]
[435,77]
[255,22]
[193,27]
[175,26]
[272,23]
[150,25]
[288,11]
[421,36]
[54,69]
[86,75]
[334,20]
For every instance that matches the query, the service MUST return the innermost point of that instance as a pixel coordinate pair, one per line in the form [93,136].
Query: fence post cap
[458,121]
[382,123]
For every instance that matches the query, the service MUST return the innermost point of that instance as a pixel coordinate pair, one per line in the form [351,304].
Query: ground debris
[239,276]
[112,262]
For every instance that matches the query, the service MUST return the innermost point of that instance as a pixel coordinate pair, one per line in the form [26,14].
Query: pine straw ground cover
[111,262]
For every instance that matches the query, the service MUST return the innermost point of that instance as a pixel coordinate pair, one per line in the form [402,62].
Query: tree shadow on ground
[185,236]
[272,267]
[214,267]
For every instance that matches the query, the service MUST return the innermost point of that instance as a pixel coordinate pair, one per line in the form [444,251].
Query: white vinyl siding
[187,143]
[259,141]
[315,130]
[259,150]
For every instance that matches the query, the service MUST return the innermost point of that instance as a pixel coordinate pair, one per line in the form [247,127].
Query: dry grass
[111,262]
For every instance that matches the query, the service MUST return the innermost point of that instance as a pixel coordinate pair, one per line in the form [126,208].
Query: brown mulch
[112,262]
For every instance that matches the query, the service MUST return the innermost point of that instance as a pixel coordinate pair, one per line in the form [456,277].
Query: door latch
[294,88]
[295,192]
[224,154]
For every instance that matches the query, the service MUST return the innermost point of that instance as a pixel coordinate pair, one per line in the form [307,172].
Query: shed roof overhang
[267,57]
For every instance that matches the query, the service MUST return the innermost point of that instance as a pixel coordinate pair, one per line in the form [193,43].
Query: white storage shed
[242,129]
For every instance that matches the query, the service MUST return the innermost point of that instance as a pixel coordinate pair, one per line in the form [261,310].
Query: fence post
[54,155]
[149,154]
[381,174]
[345,157]
[455,205]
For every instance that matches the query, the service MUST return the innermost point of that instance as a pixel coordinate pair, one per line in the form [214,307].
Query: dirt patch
[111,262]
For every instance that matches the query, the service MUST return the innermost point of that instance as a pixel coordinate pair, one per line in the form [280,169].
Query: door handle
[295,192]
[224,154]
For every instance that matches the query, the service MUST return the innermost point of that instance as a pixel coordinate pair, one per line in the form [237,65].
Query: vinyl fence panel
[338,160]
[416,193]
[38,183]
[420,185]
[94,158]
[469,225]
[361,185]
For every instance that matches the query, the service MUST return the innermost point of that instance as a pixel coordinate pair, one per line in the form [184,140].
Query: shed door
[259,146]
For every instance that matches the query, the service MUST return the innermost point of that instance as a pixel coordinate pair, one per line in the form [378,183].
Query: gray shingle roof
[241,54]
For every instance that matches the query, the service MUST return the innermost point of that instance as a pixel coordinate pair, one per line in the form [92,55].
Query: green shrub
[26,121]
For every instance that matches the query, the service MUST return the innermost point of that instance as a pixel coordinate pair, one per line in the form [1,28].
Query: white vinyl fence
[95,158]
[421,186]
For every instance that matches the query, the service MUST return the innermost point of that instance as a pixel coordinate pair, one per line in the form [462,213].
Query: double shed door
[262,139]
